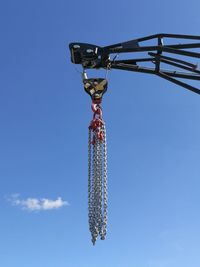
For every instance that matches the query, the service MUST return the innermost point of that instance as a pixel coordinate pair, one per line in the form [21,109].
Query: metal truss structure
[95,57]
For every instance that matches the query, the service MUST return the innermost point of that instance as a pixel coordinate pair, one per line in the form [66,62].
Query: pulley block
[95,87]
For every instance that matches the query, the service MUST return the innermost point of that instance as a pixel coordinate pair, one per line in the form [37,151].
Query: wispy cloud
[37,204]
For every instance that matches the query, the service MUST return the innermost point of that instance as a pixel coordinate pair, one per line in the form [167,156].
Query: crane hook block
[95,87]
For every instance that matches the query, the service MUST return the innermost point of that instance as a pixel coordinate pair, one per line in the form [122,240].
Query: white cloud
[36,204]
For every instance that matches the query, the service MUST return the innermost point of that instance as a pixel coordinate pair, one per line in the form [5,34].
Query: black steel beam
[194,66]
[134,68]
[133,61]
[180,52]
[179,36]
[167,48]
[166,35]
[179,65]
[187,86]
[120,49]
[164,74]
[182,46]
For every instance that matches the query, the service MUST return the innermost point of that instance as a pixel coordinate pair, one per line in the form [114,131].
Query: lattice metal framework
[95,57]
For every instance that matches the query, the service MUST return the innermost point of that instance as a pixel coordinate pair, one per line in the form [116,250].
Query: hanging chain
[97,175]
[105,193]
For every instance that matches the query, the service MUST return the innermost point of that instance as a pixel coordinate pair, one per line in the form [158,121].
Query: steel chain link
[97,184]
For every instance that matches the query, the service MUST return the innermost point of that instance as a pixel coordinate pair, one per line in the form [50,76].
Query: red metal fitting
[94,107]
[97,121]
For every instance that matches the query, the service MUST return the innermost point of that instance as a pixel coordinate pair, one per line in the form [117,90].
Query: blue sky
[153,140]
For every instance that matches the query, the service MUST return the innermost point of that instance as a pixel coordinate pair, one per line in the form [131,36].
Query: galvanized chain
[105,193]
[89,180]
[97,179]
